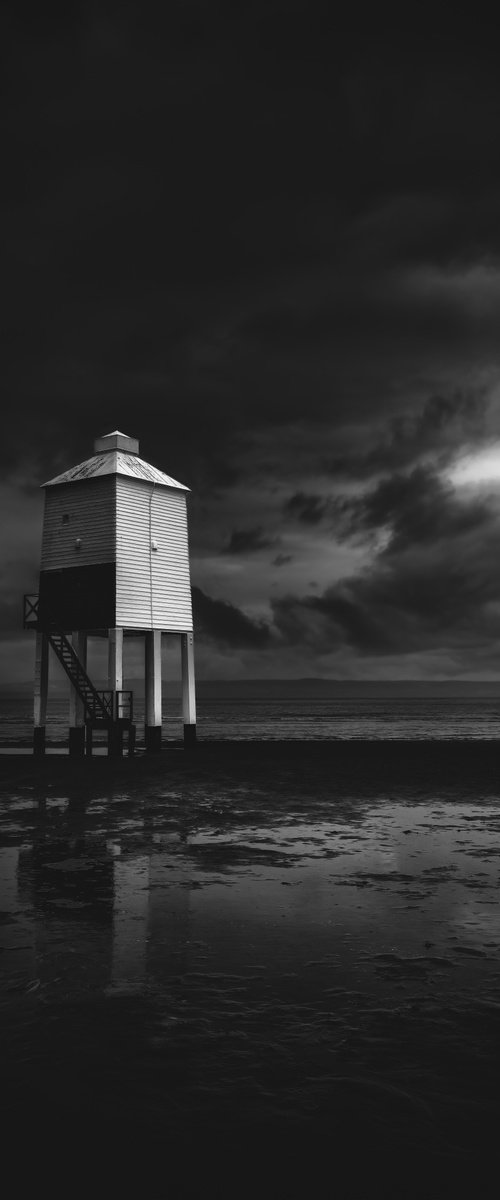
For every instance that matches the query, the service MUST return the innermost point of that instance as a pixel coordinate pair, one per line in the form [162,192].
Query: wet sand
[264,969]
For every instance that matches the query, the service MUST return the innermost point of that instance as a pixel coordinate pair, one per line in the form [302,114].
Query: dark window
[65,518]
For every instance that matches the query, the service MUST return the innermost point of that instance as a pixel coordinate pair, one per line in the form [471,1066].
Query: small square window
[65,518]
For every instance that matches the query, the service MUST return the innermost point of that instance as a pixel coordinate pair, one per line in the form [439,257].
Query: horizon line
[316,679]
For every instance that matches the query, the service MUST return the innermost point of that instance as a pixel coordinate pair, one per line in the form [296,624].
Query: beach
[259,965]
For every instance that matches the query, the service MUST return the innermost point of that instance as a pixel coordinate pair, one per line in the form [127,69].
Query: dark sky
[266,243]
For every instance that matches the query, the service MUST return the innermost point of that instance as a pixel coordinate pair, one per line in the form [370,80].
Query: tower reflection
[95,915]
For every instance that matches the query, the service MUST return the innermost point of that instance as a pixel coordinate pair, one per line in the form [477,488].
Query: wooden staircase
[103,709]
[98,705]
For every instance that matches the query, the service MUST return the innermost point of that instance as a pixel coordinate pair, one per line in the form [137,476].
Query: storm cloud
[438,428]
[248,541]
[435,583]
[303,506]
[414,508]
[224,623]
[265,243]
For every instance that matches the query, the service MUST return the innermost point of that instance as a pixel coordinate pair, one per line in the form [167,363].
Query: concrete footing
[39,740]
[115,741]
[189,737]
[152,738]
[77,740]
[81,740]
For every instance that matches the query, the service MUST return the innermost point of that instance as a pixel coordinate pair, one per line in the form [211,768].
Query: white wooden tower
[115,561]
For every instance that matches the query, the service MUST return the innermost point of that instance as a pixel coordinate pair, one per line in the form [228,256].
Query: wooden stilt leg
[188,689]
[115,682]
[115,659]
[153,690]
[76,706]
[40,692]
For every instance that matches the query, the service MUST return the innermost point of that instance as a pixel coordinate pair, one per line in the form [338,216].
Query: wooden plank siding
[152,585]
[117,518]
[83,510]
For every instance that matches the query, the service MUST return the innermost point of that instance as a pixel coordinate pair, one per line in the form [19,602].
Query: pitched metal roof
[116,462]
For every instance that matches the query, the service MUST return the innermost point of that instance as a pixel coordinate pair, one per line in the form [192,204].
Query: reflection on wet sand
[259,959]
[130,921]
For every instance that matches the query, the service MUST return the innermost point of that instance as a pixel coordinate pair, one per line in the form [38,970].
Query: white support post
[41,679]
[76,706]
[115,659]
[153,690]
[188,689]
[115,683]
[40,691]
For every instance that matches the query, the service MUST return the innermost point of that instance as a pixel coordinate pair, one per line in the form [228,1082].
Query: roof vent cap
[116,441]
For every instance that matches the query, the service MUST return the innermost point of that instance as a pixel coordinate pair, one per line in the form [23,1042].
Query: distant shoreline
[304,688]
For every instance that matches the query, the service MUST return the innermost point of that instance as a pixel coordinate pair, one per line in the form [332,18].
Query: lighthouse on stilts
[115,563]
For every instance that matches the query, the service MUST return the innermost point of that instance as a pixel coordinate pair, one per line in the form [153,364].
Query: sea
[311,711]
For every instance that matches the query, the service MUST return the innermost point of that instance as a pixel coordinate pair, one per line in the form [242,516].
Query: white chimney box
[116,441]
